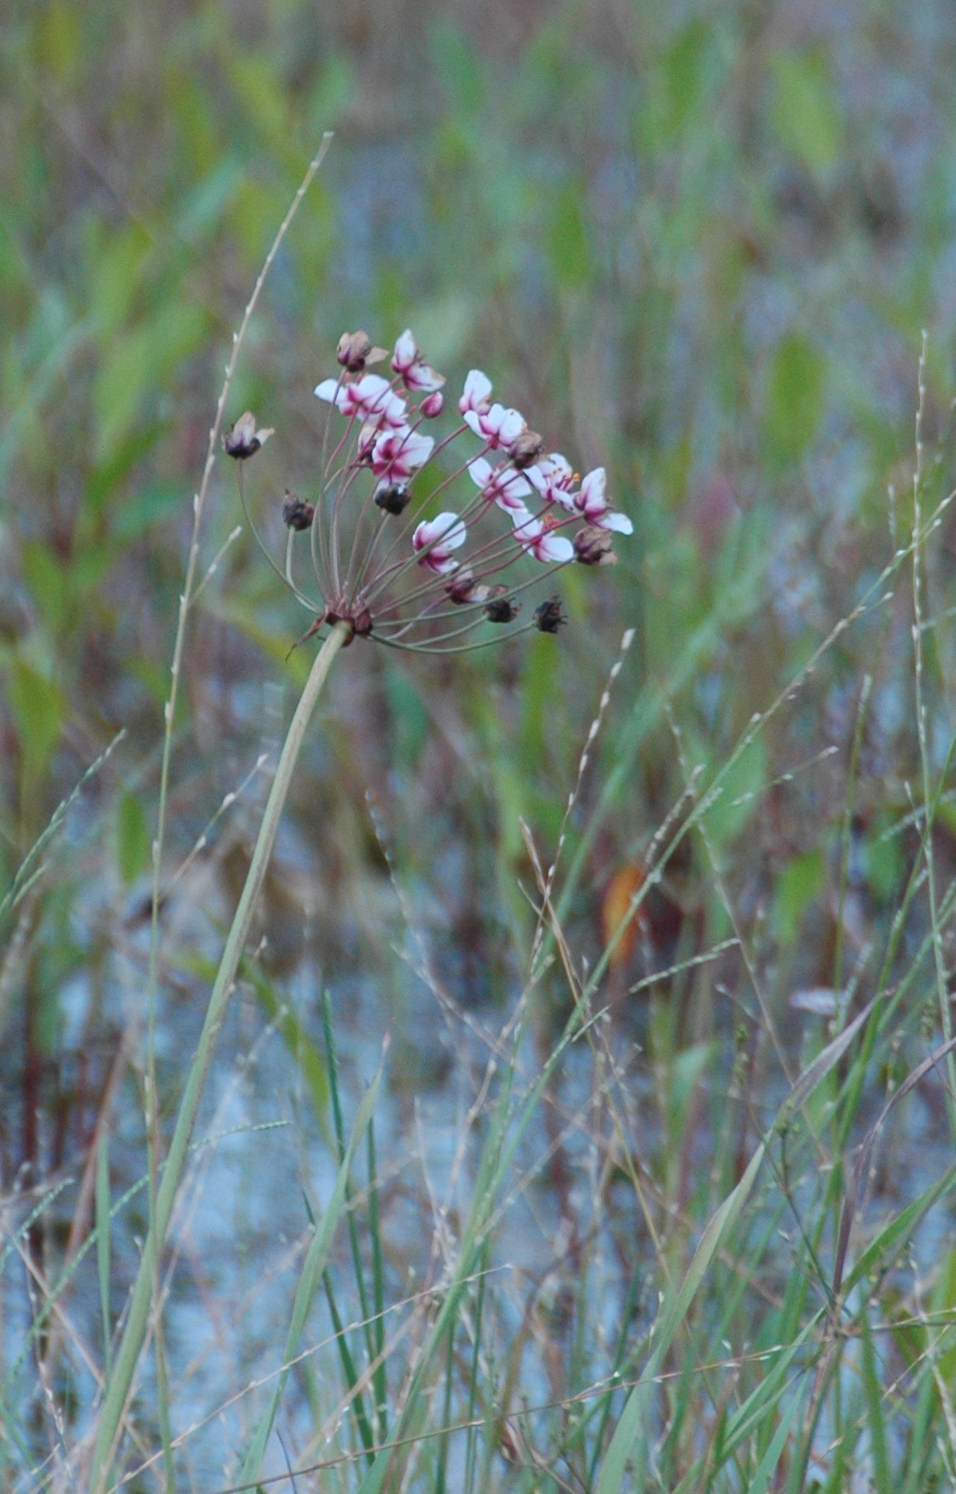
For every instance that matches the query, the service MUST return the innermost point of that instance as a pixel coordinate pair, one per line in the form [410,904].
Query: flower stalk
[142,1301]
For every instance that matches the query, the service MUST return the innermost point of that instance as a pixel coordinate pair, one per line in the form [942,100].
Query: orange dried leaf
[623,887]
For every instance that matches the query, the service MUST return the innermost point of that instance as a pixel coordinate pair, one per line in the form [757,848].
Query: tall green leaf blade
[315,1262]
[630,1437]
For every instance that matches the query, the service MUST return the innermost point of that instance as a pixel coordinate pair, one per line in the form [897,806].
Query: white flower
[477,392]
[498,426]
[437,538]
[397,454]
[415,372]
[553,479]
[501,485]
[540,542]
[370,397]
[592,504]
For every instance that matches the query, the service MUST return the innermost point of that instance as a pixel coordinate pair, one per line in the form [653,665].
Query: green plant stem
[141,1302]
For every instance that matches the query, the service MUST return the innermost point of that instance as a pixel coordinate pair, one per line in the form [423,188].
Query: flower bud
[296,513]
[464,588]
[502,610]
[525,449]
[355,351]
[367,438]
[432,404]
[593,546]
[243,440]
[550,615]
[392,497]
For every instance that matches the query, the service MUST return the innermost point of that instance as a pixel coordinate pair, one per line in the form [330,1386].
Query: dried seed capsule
[243,440]
[593,546]
[464,588]
[502,610]
[525,449]
[296,513]
[550,615]
[355,351]
[392,497]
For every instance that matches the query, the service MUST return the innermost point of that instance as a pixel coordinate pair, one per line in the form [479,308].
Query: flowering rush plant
[391,560]
[394,562]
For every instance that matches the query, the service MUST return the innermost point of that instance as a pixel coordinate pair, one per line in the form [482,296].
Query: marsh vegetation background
[701,244]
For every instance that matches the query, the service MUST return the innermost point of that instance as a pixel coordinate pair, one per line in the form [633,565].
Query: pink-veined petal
[437,538]
[408,361]
[552,478]
[419,448]
[558,468]
[373,398]
[370,391]
[456,538]
[396,454]
[499,426]
[620,523]
[511,426]
[516,511]
[330,390]
[564,498]
[422,377]
[508,490]
[501,485]
[592,499]
[446,529]
[405,351]
[538,479]
[476,393]
[595,483]
[553,547]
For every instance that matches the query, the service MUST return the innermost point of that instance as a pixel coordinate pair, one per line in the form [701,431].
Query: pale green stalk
[142,1300]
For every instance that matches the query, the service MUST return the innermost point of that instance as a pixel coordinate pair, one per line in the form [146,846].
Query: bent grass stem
[186,601]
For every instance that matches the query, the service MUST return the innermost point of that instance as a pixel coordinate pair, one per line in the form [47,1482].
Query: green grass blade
[313,1267]
[767,1467]
[629,1437]
[103,1243]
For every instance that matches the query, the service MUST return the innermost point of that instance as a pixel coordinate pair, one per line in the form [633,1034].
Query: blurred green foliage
[695,244]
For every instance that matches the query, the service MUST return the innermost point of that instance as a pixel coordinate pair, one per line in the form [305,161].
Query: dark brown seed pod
[296,513]
[502,610]
[550,615]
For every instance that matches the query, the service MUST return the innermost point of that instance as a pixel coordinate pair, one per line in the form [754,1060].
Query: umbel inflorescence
[390,558]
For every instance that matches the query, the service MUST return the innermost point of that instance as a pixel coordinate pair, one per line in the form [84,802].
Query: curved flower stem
[414,513]
[461,609]
[142,1300]
[464,648]
[284,576]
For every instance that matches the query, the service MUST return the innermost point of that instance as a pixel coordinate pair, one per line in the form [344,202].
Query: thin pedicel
[385,564]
